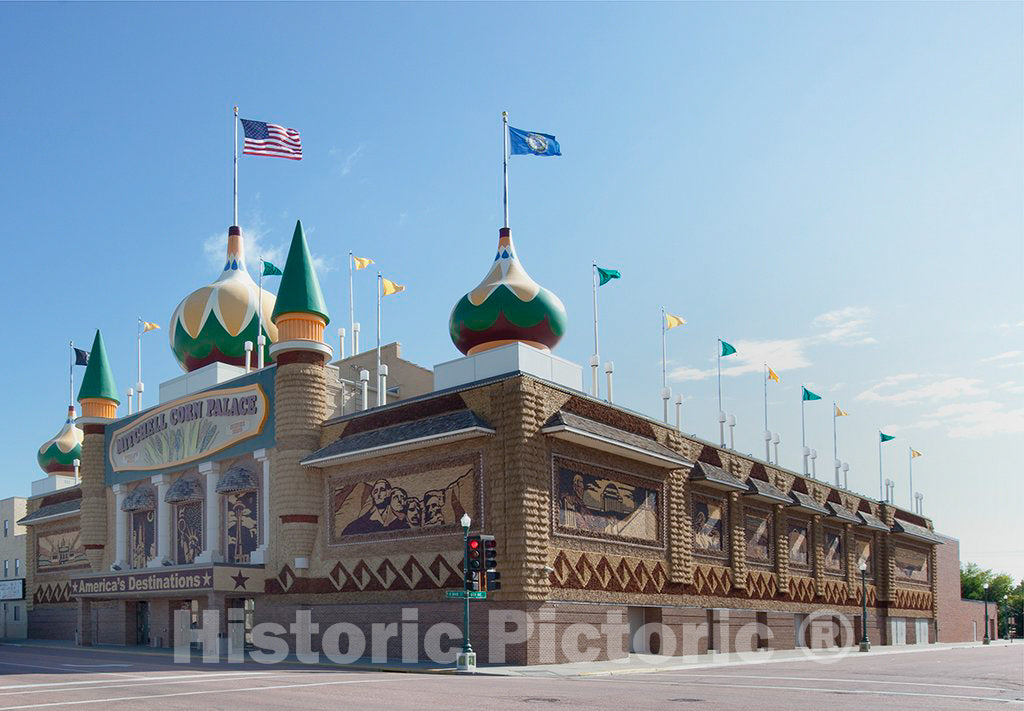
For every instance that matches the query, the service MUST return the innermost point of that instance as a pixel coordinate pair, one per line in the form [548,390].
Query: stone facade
[640,542]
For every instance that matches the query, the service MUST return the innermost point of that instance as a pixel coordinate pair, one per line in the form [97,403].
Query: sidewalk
[634,664]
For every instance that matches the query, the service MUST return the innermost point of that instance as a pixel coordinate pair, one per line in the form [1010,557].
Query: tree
[1001,590]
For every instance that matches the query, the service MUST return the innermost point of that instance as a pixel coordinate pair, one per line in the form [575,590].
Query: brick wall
[958,618]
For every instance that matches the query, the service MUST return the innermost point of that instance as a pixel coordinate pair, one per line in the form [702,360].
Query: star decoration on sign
[206,579]
[239,580]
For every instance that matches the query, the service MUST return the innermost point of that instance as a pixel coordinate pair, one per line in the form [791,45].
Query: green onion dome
[58,454]
[213,323]
[507,307]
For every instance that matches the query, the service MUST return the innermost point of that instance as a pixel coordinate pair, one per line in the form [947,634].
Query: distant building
[13,606]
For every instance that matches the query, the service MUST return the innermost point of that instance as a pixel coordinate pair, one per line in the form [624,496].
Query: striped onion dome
[58,454]
[213,323]
[507,306]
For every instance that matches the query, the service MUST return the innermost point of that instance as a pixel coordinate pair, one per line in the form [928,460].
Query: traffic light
[491,575]
[474,562]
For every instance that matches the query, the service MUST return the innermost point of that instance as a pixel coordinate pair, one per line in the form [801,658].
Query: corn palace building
[276,489]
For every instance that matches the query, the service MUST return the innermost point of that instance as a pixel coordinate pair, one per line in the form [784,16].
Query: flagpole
[767,432]
[259,322]
[910,462]
[721,412]
[595,364]
[664,359]
[803,430]
[351,305]
[835,445]
[235,184]
[138,383]
[71,373]
[880,494]
[378,341]
[504,163]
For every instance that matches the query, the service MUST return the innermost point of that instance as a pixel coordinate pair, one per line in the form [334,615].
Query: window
[7,527]
[17,567]
[5,568]
[17,613]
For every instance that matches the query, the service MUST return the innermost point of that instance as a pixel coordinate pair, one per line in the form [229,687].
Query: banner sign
[12,589]
[234,578]
[189,429]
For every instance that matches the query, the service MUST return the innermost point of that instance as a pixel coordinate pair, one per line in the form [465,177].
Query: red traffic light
[474,544]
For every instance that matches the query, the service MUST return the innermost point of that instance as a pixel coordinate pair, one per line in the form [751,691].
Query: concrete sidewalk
[634,664]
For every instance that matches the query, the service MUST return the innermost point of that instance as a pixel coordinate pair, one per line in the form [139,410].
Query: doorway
[142,623]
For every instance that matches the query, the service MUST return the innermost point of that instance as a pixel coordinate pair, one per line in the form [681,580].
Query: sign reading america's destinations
[189,429]
[157,581]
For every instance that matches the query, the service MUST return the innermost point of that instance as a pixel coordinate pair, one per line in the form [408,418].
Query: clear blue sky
[836,188]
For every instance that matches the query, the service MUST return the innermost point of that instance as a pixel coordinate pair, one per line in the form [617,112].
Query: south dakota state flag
[532,143]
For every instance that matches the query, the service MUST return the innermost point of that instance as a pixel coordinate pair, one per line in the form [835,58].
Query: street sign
[471,594]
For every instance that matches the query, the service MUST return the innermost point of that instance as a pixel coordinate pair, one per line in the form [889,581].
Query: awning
[806,504]
[141,498]
[758,490]
[914,531]
[184,488]
[597,435]
[841,513]
[237,479]
[425,432]
[872,521]
[52,512]
[716,477]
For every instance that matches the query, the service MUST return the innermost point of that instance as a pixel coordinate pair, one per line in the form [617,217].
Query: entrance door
[142,623]
[897,630]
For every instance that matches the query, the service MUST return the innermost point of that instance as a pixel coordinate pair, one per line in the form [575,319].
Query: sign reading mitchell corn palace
[274,491]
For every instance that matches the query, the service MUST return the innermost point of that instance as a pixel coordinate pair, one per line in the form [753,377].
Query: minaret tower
[300,315]
[98,397]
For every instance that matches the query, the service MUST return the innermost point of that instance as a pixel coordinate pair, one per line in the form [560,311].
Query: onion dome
[213,323]
[508,306]
[98,393]
[58,454]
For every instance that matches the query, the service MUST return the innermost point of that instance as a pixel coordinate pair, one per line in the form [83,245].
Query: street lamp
[467,660]
[985,639]
[865,644]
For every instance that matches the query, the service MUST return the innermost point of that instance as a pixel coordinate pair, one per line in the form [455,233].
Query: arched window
[239,486]
[140,505]
[186,497]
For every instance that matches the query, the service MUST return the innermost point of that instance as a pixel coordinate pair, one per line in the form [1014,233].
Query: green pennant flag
[606,275]
[808,395]
[885,438]
[269,269]
[727,348]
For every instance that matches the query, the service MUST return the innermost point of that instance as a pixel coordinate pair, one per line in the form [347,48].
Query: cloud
[345,166]
[976,420]
[892,391]
[846,326]
[1003,356]
[259,242]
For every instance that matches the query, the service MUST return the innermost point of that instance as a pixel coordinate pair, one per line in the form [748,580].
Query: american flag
[269,139]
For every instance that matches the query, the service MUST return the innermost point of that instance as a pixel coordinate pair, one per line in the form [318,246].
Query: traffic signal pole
[467,647]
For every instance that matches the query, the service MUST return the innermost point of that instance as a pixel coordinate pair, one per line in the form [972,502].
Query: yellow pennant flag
[840,412]
[772,375]
[672,321]
[914,453]
[389,287]
[362,262]
[147,326]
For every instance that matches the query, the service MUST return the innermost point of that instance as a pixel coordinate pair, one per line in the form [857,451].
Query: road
[986,677]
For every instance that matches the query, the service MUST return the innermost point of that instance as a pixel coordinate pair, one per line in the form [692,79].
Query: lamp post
[986,639]
[467,660]
[865,644]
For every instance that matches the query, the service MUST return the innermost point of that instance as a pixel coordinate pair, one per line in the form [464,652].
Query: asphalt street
[947,678]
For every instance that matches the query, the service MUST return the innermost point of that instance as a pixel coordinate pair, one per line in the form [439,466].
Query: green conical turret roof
[300,289]
[98,381]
